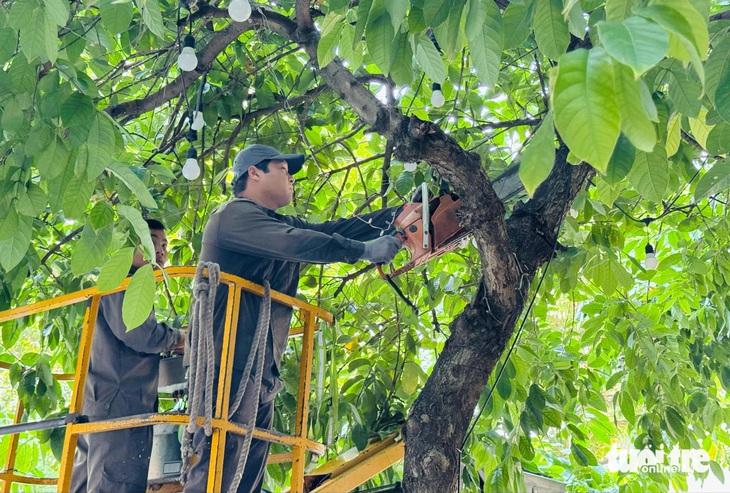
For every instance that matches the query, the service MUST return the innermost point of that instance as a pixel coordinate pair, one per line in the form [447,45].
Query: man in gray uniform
[247,238]
[122,381]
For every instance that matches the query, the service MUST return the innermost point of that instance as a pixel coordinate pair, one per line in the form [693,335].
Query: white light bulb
[187,60]
[198,122]
[437,99]
[191,170]
[410,166]
[239,10]
[651,262]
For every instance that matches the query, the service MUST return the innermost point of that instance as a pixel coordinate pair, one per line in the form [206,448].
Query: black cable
[514,344]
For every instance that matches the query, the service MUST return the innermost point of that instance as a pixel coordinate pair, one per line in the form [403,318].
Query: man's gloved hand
[381,250]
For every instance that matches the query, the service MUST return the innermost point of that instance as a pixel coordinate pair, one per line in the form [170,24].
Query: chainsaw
[428,229]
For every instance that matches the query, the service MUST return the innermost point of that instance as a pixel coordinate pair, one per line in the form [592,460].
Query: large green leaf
[722,96]
[379,39]
[52,160]
[584,101]
[116,15]
[448,34]
[115,269]
[58,10]
[485,40]
[635,42]
[621,161]
[397,11]
[99,146]
[435,12]
[101,214]
[76,196]
[8,43]
[90,250]
[331,28]
[685,93]
[716,180]
[517,22]
[718,141]
[618,10]
[551,30]
[680,18]
[151,16]
[33,202]
[13,249]
[539,156]
[718,64]
[140,227]
[38,39]
[402,67]
[9,221]
[430,59]
[139,298]
[650,174]
[134,184]
[635,123]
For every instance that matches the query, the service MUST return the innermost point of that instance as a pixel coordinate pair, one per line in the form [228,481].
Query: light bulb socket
[192,153]
[191,135]
[435,86]
[649,249]
[189,41]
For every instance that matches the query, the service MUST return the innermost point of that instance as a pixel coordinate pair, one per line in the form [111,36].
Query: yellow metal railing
[221,426]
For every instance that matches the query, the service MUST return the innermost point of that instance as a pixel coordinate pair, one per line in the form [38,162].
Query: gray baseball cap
[258,153]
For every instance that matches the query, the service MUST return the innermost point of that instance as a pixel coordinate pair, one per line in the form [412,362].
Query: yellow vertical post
[305,374]
[12,448]
[218,440]
[77,397]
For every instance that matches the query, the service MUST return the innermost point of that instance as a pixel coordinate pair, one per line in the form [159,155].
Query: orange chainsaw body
[444,231]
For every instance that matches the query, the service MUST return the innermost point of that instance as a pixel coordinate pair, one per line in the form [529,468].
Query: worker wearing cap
[248,238]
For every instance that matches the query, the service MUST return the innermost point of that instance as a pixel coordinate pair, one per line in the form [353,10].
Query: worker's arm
[150,337]
[246,228]
[362,228]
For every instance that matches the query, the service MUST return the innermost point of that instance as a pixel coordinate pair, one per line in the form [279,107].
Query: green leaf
[116,15]
[132,181]
[435,12]
[78,110]
[718,140]
[584,102]
[538,156]
[650,175]
[363,16]
[525,448]
[33,202]
[402,66]
[627,406]
[722,96]
[717,179]
[90,249]
[635,42]
[517,21]
[346,47]
[551,30]
[680,18]
[582,455]
[379,39]
[700,129]
[115,269]
[52,160]
[430,59]
[410,377]
[485,40]
[139,297]
[100,146]
[331,28]
[38,39]
[448,34]
[8,43]
[151,16]
[9,221]
[675,422]
[404,183]
[58,10]
[11,332]
[621,161]
[397,11]
[140,227]
[13,249]
[717,66]
[618,10]
[685,93]
[76,196]
[635,123]
[674,134]
[101,214]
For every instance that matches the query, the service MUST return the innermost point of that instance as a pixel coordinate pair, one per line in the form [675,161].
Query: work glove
[381,250]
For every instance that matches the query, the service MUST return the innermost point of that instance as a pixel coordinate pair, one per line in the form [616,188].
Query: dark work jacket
[124,366]
[257,244]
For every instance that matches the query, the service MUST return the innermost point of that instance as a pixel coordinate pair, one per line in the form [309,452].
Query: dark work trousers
[253,475]
[112,462]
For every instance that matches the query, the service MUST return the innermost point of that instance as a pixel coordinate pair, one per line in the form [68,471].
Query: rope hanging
[201,373]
